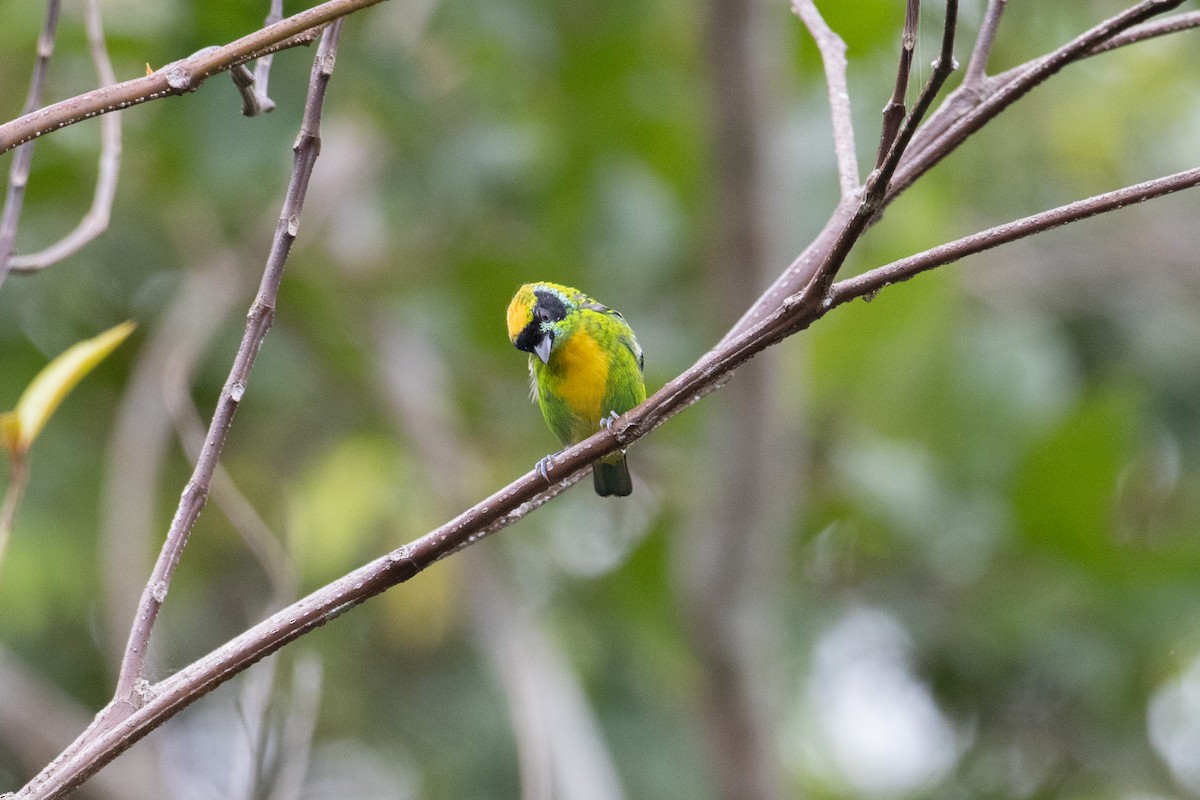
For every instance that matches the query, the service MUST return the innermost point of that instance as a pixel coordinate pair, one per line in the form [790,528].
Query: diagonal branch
[1148,30]
[833,59]
[528,492]
[119,729]
[258,322]
[97,745]
[178,77]
[868,283]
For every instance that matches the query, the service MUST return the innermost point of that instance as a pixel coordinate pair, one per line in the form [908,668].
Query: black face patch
[549,308]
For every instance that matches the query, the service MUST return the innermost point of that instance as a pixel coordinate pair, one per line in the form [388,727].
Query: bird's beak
[542,348]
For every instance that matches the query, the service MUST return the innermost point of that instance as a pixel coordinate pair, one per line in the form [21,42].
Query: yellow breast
[579,369]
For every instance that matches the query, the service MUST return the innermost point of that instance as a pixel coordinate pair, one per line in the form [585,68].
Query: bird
[585,369]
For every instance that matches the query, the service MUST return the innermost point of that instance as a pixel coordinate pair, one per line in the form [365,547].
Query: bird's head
[536,315]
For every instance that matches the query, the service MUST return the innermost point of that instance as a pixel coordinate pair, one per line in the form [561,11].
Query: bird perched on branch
[585,365]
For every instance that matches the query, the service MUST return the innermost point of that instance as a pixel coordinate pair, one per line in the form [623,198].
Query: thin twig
[18,171]
[868,283]
[263,543]
[258,322]
[977,65]
[95,221]
[262,67]
[879,184]
[178,77]
[1148,30]
[243,81]
[893,112]
[833,59]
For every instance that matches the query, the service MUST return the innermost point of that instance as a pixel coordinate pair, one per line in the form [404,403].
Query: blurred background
[944,545]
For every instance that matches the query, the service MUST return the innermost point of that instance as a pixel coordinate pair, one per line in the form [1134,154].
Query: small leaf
[51,385]
[10,430]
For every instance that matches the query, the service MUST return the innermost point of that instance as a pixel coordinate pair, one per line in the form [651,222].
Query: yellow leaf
[51,385]
[9,430]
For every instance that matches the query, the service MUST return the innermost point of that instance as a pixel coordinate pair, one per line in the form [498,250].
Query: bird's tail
[612,478]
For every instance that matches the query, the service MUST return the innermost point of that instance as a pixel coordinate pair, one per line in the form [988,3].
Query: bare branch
[817,266]
[37,718]
[773,318]
[263,543]
[876,187]
[977,66]
[879,183]
[833,58]
[523,495]
[868,283]
[95,221]
[18,171]
[961,115]
[1148,30]
[893,112]
[178,77]
[258,322]
[96,746]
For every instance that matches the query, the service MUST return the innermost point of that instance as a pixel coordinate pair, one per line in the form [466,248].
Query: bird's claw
[607,422]
[542,467]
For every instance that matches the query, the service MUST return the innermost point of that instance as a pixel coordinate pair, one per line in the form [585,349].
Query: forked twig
[964,111]
[977,65]
[879,180]
[960,116]
[95,221]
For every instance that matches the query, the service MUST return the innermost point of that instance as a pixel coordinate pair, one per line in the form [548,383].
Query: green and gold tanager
[585,365]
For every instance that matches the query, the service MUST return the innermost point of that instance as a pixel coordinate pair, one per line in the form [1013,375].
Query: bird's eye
[541,314]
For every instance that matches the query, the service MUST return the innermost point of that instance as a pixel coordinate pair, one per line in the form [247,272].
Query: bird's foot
[607,422]
[542,467]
